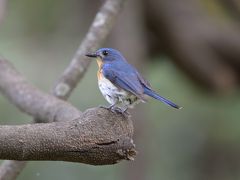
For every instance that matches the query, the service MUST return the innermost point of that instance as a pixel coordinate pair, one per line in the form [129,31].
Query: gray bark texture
[97,137]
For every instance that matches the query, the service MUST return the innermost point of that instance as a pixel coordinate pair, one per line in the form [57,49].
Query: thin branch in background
[97,33]
[11,169]
[31,100]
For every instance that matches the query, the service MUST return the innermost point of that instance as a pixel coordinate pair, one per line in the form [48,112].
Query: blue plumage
[153,94]
[120,83]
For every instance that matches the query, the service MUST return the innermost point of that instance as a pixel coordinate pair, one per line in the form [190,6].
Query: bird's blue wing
[143,81]
[128,81]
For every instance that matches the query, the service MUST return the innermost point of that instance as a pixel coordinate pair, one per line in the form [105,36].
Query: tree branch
[97,137]
[96,35]
[11,169]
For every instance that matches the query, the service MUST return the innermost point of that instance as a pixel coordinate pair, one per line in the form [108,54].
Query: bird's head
[106,55]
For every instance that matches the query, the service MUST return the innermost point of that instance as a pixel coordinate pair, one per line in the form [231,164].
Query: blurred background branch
[202,47]
[31,100]
[233,8]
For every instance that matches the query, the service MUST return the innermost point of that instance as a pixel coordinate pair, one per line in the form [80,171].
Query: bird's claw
[117,110]
[104,107]
[107,107]
[124,112]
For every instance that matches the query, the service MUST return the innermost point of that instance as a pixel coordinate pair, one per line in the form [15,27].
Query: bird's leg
[123,111]
[116,109]
[108,107]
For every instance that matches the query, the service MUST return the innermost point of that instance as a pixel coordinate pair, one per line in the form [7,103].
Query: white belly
[115,95]
[110,91]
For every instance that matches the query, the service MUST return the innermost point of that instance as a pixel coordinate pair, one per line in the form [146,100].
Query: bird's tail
[153,94]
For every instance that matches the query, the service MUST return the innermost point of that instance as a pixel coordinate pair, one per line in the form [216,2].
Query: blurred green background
[201,141]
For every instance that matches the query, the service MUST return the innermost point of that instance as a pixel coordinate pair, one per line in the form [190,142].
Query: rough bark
[97,137]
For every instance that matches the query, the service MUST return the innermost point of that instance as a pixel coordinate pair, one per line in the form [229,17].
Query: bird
[120,83]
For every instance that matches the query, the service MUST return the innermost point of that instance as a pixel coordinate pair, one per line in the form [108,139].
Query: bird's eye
[105,53]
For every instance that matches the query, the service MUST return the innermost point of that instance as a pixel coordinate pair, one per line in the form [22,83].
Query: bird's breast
[115,94]
[99,74]
[100,63]
[106,86]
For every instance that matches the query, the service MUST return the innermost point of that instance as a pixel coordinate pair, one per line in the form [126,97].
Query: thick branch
[96,35]
[31,100]
[97,137]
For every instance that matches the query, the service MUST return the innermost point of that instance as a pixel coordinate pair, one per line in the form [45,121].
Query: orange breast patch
[99,74]
[100,63]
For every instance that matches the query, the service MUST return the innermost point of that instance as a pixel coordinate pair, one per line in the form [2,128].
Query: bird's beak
[93,55]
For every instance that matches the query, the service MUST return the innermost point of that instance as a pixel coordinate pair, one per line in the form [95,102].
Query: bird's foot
[117,110]
[107,107]
[124,112]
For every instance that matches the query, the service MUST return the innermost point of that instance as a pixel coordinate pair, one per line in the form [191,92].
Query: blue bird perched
[120,83]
